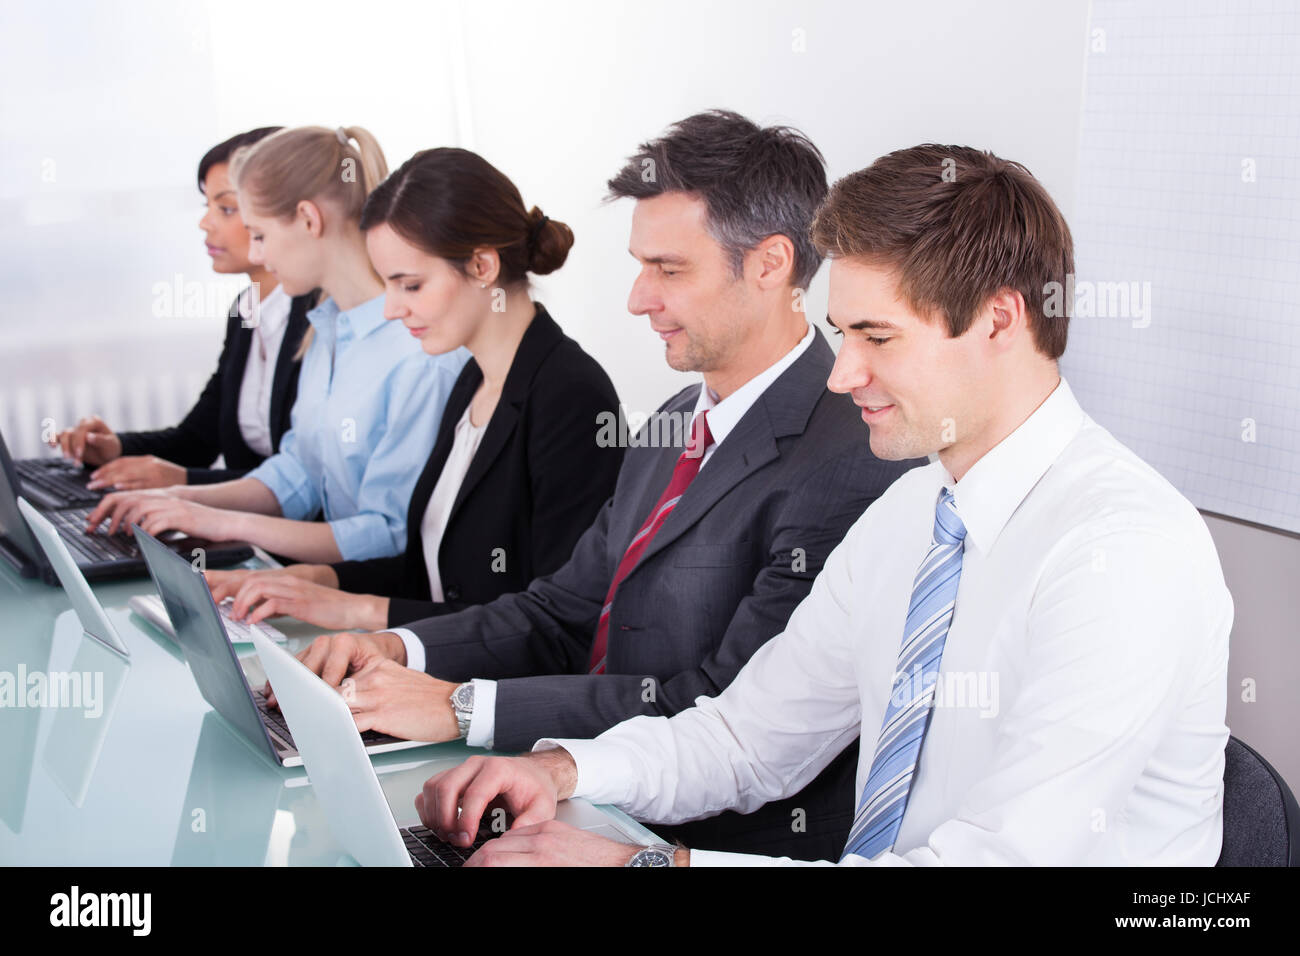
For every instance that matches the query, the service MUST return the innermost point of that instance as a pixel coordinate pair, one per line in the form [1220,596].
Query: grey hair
[754,181]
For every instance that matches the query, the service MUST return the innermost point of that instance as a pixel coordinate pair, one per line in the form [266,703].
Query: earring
[482,285]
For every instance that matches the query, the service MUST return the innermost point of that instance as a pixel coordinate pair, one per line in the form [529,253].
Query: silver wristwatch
[462,702]
[658,855]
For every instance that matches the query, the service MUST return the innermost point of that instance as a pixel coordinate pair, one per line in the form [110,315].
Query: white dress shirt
[724,415]
[1079,715]
[259,372]
[434,524]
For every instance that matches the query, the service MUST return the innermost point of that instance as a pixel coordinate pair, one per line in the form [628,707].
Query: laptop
[348,789]
[89,611]
[98,556]
[55,482]
[207,647]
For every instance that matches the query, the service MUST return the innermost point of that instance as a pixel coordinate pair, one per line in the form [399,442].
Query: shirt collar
[361,319]
[724,415]
[993,489]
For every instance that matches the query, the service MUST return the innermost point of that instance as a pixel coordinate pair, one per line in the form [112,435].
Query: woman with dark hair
[516,474]
[244,409]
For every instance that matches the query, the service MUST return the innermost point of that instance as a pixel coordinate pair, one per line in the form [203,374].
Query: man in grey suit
[701,554]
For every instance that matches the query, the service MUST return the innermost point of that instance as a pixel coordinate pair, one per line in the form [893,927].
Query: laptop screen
[12,526]
[202,637]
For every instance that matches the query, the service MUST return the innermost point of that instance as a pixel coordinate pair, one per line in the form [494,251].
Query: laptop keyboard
[275,720]
[241,632]
[94,548]
[59,479]
[427,850]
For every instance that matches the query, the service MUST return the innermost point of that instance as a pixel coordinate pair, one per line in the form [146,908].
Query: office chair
[1261,820]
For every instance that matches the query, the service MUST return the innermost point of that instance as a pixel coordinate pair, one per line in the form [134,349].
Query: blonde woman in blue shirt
[365,387]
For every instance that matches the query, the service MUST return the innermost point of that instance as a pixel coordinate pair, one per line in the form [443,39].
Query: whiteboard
[1189,209]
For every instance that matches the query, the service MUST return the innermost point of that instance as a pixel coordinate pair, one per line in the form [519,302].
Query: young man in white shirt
[1030,634]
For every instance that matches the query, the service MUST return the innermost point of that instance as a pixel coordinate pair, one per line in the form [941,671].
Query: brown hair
[450,201]
[958,224]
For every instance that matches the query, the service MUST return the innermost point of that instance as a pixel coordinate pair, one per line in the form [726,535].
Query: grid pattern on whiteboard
[1185,331]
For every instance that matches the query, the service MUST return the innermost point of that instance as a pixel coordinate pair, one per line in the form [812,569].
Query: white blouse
[259,373]
[444,494]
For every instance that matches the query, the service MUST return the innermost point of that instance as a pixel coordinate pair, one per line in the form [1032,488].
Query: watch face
[652,857]
[463,698]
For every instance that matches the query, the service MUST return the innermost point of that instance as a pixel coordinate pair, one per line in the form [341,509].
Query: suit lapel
[461,394]
[782,409]
[539,340]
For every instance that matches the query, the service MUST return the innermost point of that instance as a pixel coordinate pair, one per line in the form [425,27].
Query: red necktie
[688,465]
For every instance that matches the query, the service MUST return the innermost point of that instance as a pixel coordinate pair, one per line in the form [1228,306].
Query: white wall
[125,97]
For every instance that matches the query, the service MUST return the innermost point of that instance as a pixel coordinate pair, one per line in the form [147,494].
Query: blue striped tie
[934,594]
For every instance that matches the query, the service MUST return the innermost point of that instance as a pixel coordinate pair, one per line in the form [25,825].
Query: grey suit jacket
[722,576]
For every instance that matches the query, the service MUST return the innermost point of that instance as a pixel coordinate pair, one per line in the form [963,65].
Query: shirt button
[453,594]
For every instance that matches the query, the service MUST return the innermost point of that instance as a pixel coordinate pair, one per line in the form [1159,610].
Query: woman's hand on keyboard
[136,472]
[263,594]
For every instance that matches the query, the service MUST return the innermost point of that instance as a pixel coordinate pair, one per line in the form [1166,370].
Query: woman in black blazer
[183,454]
[451,237]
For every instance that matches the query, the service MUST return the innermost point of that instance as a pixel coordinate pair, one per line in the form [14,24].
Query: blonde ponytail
[310,163]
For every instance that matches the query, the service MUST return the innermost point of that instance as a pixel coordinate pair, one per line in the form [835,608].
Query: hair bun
[548,242]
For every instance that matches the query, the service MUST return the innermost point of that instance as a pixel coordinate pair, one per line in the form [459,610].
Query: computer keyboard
[242,633]
[427,850]
[63,481]
[96,547]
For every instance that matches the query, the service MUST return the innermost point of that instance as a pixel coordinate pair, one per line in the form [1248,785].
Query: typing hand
[263,594]
[452,802]
[552,843]
[90,442]
[135,472]
[335,656]
[157,511]
[393,699]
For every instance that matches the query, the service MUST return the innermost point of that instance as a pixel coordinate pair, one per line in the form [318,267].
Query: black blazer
[212,426]
[721,578]
[534,484]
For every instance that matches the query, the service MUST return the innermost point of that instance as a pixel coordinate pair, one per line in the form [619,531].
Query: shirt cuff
[361,537]
[415,658]
[290,485]
[483,721]
[604,772]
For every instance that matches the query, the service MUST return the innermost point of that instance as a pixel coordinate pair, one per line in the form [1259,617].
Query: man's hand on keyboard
[552,843]
[393,699]
[335,656]
[453,802]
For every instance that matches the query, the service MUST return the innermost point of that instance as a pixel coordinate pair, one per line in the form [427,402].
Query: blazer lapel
[540,338]
[461,394]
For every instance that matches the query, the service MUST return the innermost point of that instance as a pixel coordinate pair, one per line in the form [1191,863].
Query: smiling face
[920,391]
[223,228]
[686,286]
[426,293]
[287,248]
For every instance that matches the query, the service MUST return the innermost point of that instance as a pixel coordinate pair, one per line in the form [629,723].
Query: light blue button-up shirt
[369,405]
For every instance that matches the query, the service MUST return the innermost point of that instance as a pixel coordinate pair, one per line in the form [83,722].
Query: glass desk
[148,774]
